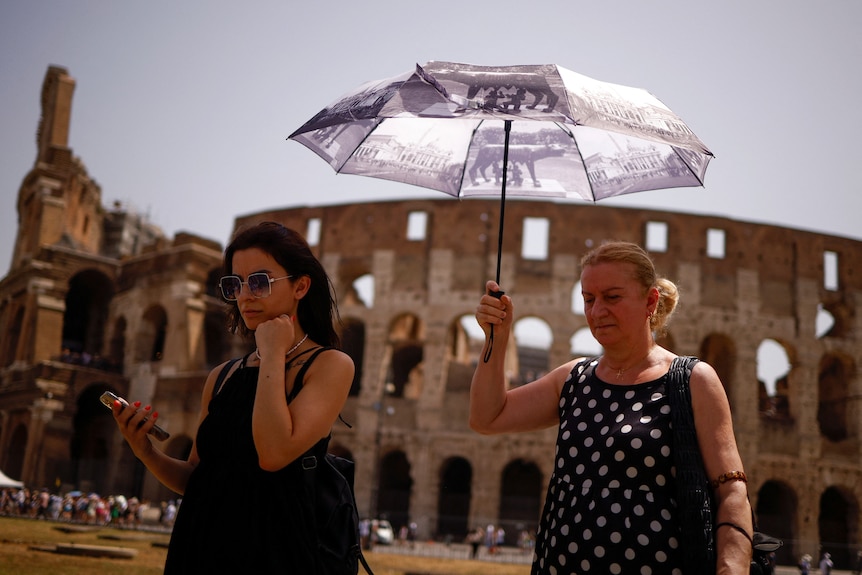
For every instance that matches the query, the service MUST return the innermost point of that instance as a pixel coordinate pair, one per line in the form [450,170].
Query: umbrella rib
[581,156]
[466,157]
[377,122]
[687,165]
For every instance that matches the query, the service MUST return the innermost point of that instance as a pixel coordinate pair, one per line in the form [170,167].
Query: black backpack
[328,483]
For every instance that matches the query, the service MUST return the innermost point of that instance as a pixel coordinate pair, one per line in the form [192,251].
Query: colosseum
[98,298]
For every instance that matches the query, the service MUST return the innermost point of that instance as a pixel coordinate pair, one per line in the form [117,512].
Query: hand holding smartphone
[108,400]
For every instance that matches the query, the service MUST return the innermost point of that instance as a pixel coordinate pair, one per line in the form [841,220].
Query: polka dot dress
[610,506]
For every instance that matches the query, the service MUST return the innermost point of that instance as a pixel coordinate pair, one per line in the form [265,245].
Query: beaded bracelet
[730,476]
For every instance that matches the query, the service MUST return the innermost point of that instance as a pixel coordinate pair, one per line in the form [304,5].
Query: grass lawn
[19,537]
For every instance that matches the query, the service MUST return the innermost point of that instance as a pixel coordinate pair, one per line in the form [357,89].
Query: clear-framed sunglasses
[259,285]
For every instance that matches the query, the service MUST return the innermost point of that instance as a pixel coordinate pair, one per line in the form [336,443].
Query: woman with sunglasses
[244,509]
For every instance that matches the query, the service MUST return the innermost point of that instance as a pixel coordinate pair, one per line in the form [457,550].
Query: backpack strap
[297,382]
[695,503]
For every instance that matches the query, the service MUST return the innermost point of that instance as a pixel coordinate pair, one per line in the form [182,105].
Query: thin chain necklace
[621,372]
[290,351]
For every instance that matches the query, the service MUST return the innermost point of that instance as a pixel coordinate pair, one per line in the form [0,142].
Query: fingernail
[155,415]
[147,408]
[137,404]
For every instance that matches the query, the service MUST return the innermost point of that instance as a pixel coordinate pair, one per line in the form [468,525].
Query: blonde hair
[644,273]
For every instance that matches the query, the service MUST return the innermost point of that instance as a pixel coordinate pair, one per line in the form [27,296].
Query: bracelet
[729,476]
[738,528]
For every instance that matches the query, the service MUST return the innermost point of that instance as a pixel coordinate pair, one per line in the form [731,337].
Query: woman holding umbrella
[611,503]
[244,507]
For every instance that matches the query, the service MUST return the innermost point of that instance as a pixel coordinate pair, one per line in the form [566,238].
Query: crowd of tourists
[83,508]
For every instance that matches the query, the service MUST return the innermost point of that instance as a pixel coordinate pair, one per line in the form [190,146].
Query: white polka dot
[645,419]
[577,412]
[587,535]
[599,551]
[585,565]
[637,443]
[588,442]
[565,435]
[606,393]
[601,521]
[616,537]
[660,480]
[573,451]
[649,461]
[561,559]
[630,554]
[614,406]
[637,406]
[586,390]
[610,441]
[632,472]
[616,508]
[592,404]
[582,426]
[573,547]
[643,539]
[661,556]
[646,570]
[655,433]
[638,510]
[655,526]
[656,397]
[619,455]
[615,569]
[626,428]
[603,470]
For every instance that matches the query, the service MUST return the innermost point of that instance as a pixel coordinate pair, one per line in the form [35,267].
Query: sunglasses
[259,285]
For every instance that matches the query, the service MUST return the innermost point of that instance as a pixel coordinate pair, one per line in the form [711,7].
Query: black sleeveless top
[236,517]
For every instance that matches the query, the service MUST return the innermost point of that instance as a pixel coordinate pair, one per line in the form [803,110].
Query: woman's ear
[652,299]
[301,287]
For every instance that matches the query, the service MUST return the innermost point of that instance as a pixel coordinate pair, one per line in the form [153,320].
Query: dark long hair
[318,310]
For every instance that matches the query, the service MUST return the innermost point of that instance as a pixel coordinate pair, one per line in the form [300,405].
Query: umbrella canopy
[544,130]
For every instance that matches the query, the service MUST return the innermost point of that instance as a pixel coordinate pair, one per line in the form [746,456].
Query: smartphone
[109,398]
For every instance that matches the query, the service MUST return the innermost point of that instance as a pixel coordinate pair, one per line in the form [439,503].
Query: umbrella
[470,130]
[545,130]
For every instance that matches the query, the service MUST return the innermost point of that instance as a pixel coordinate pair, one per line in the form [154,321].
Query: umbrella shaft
[507,127]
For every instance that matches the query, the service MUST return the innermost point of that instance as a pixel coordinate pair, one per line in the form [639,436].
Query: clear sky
[182,109]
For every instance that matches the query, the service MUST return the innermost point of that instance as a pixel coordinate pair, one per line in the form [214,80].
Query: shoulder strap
[297,383]
[223,374]
[694,496]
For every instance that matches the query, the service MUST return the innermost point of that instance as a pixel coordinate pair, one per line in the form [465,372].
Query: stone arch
[773,369]
[216,344]
[16,450]
[359,292]
[776,513]
[394,488]
[719,351]
[533,337]
[12,336]
[87,311]
[833,389]
[464,343]
[582,343]
[520,498]
[406,341]
[353,344]
[453,505]
[93,429]
[150,339]
[838,525]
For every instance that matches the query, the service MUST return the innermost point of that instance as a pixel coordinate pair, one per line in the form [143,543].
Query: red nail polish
[155,415]
[137,404]
[147,408]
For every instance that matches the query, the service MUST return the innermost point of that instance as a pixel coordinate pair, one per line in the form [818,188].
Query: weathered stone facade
[406,274]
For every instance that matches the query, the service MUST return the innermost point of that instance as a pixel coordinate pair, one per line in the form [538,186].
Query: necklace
[290,351]
[621,371]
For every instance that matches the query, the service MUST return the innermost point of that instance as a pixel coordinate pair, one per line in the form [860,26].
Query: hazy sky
[182,109]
